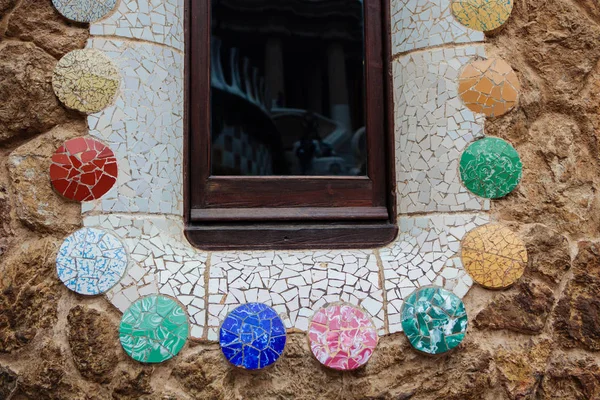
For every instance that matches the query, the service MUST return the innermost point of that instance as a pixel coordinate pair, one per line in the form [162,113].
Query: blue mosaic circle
[84,10]
[91,261]
[434,320]
[252,336]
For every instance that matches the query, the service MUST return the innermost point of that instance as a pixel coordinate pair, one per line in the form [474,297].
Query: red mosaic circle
[83,169]
[342,337]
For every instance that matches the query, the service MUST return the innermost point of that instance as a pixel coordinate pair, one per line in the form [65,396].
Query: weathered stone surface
[6,5]
[37,205]
[48,378]
[560,180]
[93,339]
[8,382]
[207,375]
[554,48]
[522,369]
[38,21]
[133,385]
[577,316]
[29,292]
[548,252]
[568,378]
[396,371]
[28,105]
[525,309]
[6,232]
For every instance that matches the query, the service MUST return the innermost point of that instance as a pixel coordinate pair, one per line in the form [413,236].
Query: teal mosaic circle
[154,329]
[434,320]
[491,168]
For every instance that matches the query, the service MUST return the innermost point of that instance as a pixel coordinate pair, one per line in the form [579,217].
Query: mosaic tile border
[418,24]
[433,127]
[145,207]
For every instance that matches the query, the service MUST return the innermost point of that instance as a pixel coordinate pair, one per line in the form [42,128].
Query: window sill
[291,236]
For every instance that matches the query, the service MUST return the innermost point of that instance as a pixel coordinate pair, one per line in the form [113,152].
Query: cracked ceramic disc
[154,329]
[434,320]
[342,337]
[489,86]
[252,336]
[84,10]
[91,261]
[86,80]
[490,168]
[494,256]
[83,169]
[482,15]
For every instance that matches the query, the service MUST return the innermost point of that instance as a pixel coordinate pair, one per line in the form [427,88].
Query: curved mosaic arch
[146,124]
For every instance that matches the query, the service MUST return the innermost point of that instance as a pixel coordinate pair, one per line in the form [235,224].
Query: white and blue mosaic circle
[91,261]
[84,10]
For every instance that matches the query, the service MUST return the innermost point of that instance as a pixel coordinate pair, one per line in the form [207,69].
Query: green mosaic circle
[491,168]
[434,320]
[153,329]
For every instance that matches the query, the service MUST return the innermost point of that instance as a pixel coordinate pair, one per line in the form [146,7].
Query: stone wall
[539,339]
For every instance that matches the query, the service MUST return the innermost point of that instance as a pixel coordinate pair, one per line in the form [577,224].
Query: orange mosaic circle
[494,256]
[489,87]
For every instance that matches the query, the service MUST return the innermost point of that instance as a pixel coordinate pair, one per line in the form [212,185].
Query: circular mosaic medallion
[83,169]
[482,15]
[91,261]
[154,329]
[86,80]
[252,336]
[490,168]
[494,256]
[342,337]
[84,10]
[490,87]
[434,320]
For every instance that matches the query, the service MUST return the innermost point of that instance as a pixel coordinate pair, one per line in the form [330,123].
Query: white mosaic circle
[91,261]
[84,10]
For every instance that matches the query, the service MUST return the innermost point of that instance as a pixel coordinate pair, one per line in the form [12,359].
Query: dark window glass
[287,87]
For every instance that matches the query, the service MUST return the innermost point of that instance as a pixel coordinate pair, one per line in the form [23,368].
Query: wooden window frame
[275,212]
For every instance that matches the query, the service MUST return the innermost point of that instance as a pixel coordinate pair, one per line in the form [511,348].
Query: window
[289,138]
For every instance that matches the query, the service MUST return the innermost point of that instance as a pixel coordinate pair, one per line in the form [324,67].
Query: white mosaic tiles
[144,128]
[426,253]
[295,284]
[157,21]
[419,24]
[160,262]
[433,127]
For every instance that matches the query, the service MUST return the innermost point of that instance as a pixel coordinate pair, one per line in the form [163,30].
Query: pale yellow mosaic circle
[494,256]
[482,15]
[86,80]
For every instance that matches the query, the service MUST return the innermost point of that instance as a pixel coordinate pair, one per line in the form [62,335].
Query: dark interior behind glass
[287,87]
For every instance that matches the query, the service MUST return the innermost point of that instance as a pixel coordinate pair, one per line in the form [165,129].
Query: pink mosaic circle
[342,337]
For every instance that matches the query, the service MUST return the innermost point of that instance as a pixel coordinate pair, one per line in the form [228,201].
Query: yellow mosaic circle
[86,80]
[482,15]
[494,256]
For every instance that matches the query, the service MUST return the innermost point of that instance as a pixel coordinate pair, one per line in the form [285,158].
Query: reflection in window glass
[287,87]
